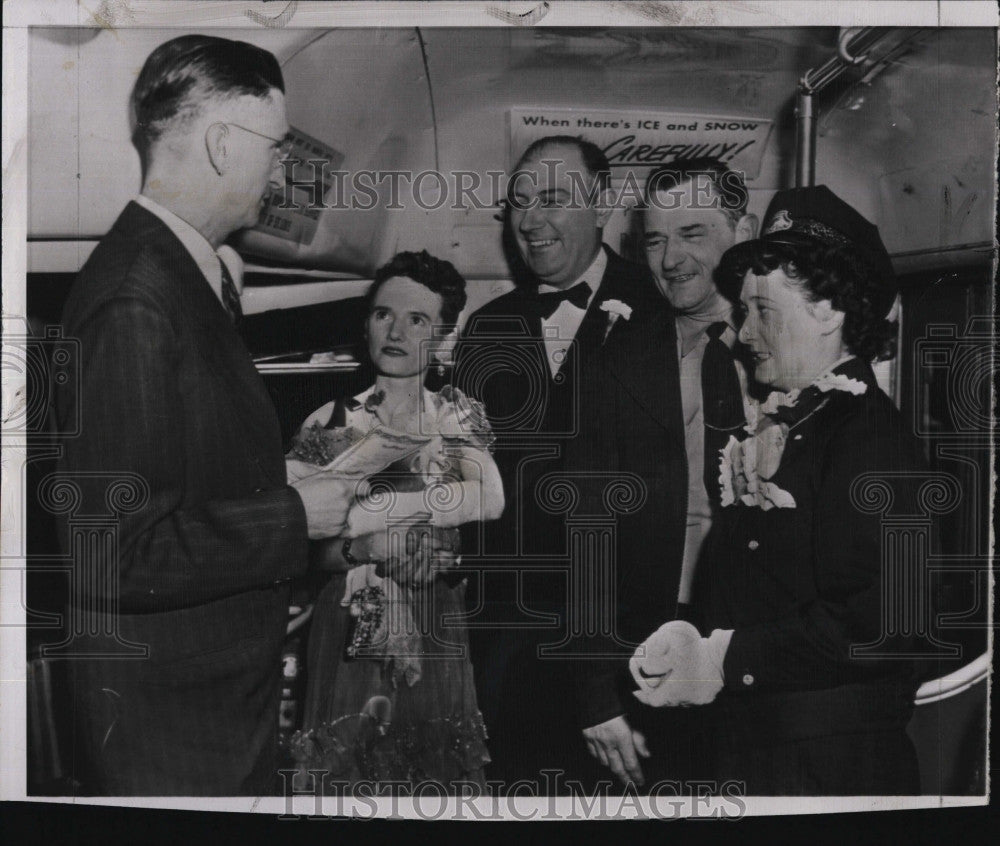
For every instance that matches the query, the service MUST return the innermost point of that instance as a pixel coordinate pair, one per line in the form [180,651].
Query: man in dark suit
[180,446]
[664,401]
[525,356]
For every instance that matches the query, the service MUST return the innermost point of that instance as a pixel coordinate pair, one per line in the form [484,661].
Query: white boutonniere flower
[616,309]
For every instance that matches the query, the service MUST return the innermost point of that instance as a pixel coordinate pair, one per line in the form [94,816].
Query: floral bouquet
[319,445]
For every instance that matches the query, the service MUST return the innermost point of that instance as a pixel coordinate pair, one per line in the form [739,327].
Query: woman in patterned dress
[390,693]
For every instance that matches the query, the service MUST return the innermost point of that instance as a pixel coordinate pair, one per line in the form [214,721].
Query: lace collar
[850,375]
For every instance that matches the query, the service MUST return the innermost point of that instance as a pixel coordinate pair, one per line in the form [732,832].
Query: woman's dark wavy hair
[435,274]
[840,274]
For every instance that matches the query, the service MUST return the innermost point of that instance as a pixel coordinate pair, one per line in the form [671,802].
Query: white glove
[677,666]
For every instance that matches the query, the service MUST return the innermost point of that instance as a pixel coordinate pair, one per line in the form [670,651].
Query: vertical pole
[805,137]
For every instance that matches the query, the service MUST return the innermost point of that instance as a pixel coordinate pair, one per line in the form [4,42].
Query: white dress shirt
[560,328]
[201,251]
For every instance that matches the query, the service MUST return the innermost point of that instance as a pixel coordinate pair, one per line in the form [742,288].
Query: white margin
[187,14]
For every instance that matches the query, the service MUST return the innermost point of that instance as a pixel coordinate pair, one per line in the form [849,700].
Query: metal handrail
[299,620]
[853,49]
[954,683]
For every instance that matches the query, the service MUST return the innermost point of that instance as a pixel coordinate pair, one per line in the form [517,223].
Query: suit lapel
[215,337]
[587,339]
[194,292]
[590,335]
[649,350]
[533,322]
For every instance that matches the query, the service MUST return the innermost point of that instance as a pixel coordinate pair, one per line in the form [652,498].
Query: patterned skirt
[365,722]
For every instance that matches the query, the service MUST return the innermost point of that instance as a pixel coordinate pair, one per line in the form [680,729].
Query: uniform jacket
[801,585]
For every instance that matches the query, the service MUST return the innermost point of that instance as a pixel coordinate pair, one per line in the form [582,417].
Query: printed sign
[637,141]
[292,213]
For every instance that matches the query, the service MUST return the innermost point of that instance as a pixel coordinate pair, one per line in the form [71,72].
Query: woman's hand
[618,746]
[409,555]
[328,556]
[429,551]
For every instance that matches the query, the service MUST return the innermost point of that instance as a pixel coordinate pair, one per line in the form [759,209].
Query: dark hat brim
[739,258]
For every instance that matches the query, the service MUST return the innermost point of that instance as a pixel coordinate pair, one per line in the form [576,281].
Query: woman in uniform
[809,688]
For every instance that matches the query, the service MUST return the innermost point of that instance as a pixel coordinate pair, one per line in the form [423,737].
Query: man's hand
[326,499]
[296,470]
[677,666]
[616,745]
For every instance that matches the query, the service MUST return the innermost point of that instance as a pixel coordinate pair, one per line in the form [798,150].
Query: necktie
[722,401]
[546,304]
[230,298]
[720,385]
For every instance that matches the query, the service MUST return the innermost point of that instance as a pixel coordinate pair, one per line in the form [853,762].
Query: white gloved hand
[677,666]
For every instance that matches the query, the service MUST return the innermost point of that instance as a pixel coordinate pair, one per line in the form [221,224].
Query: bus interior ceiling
[908,137]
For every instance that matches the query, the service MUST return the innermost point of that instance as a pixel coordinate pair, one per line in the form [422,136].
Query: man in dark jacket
[527,356]
[663,402]
[177,688]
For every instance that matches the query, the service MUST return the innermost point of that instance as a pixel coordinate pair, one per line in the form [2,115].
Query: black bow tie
[546,304]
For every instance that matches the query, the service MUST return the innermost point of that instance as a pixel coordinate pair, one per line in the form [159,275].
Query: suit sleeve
[592,455]
[811,647]
[173,551]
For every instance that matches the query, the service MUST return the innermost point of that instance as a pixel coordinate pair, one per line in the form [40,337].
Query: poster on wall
[636,141]
[292,214]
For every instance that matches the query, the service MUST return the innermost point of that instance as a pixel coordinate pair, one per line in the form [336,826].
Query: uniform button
[752,546]
[797,438]
[748,680]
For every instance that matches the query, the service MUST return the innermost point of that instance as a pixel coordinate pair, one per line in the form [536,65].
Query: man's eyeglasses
[282,146]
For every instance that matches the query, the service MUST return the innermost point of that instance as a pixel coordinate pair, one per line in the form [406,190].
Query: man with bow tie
[667,396]
[526,355]
[180,445]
